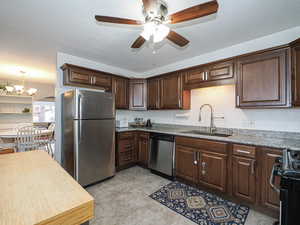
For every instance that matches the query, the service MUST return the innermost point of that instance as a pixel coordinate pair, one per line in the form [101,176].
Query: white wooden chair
[28,138]
[32,138]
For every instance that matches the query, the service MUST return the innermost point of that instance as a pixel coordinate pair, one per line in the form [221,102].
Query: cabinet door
[186,164]
[138,95]
[220,71]
[263,80]
[121,93]
[213,171]
[153,94]
[102,81]
[270,198]
[195,75]
[171,92]
[244,182]
[296,75]
[143,150]
[79,76]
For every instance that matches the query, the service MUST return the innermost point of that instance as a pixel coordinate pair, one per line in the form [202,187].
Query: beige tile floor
[123,200]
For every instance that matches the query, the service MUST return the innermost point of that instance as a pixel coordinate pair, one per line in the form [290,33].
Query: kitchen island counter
[35,189]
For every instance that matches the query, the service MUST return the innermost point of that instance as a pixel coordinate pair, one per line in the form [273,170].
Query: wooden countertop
[35,189]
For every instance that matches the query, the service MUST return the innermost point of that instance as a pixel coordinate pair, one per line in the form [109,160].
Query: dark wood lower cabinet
[126,153]
[132,148]
[241,172]
[244,178]
[269,197]
[199,166]
[186,164]
[213,171]
[143,149]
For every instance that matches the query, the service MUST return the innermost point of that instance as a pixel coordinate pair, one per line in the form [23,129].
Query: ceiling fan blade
[177,39]
[108,19]
[195,12]
[138,42]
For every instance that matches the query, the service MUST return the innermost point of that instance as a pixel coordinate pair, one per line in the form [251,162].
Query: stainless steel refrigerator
[88,142]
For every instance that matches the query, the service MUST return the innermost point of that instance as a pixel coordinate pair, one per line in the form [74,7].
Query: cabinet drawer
[126,157]
[126,135]
[144,135]
[244,150]
[126,145]
[201,144]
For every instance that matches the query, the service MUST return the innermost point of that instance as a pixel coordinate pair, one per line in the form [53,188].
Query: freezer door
[94,150]
[94,105]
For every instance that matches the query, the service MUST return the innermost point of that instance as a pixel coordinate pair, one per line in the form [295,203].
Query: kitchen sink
[206,133]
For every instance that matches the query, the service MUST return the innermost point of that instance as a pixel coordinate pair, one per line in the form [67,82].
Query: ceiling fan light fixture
[157,31]
[161,33]
[149,30]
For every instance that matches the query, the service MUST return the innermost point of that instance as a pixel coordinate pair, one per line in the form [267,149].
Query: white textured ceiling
[32,31]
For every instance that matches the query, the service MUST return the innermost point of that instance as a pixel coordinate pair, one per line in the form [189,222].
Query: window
[43,112]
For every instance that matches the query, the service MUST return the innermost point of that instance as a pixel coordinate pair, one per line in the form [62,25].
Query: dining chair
[33,138]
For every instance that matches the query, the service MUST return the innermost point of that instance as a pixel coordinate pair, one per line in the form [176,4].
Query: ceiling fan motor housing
[158,12]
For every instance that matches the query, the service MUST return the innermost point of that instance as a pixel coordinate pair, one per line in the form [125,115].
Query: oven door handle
[272,177]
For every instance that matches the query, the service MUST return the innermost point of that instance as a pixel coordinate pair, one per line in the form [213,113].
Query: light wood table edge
[75,216]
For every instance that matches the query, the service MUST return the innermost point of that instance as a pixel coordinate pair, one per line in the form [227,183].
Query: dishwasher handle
[163,137]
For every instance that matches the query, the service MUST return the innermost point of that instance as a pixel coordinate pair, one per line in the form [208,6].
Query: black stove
[288,168]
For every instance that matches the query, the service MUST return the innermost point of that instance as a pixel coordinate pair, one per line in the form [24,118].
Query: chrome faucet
[212,127]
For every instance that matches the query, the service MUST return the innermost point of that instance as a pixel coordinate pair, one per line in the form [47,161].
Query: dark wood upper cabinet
[269,197]
[195,76]
[102,80]
[213,74]
[172,95]
[153,94]
[138,94]
[121,86]
[82,77]
[263,80]
[296,73]
[221,70]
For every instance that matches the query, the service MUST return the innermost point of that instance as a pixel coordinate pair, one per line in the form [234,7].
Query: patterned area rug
[199,206]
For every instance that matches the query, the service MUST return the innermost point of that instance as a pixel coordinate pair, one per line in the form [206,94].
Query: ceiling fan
[156,18]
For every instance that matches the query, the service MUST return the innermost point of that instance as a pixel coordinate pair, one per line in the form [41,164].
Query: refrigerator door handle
[79,106]
[79,131]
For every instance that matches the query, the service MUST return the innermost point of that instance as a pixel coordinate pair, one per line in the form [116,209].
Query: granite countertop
[272,139]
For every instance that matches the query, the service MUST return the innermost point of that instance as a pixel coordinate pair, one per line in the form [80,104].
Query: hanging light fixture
[32,91]
[19,89]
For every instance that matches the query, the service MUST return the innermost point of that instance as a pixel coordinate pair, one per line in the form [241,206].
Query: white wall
[222,99]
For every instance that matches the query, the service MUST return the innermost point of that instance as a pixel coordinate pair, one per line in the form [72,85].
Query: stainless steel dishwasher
[162,154]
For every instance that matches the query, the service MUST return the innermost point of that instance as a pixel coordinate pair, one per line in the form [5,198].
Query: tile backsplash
[222,99]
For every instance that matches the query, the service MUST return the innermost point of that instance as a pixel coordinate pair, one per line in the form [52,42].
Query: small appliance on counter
[122,123]
[138,122]
[288,168]
[148,124]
